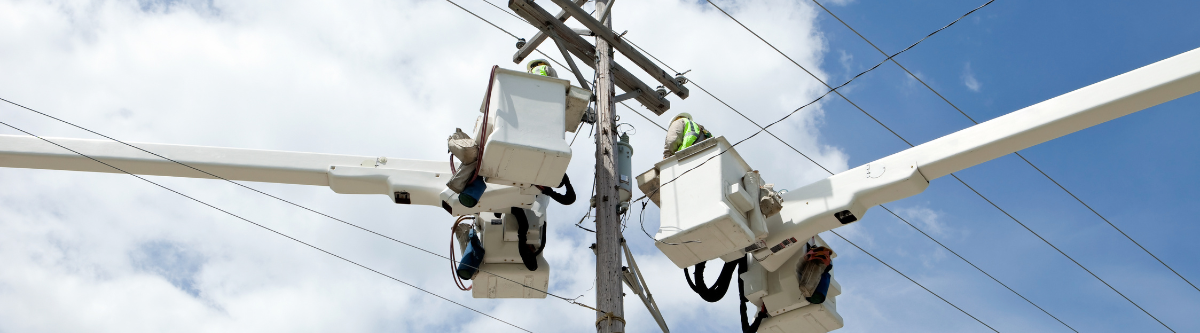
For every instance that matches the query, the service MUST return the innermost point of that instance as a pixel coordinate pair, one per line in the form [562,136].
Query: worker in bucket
[540,67]
[683,133]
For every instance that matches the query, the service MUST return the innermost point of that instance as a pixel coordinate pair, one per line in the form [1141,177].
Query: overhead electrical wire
[891,58]
[762,129]
[1039,170]
[693,82]
[259,225]
[856,246]
[568,300]
[502,29]
[560,64]
[814,101]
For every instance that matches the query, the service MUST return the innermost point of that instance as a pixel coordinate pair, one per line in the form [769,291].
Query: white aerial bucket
[779,292]
[704,213]
[525,144]
[503,274]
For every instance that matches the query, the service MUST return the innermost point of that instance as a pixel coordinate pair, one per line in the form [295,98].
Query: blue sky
[101,252]
[1132,170]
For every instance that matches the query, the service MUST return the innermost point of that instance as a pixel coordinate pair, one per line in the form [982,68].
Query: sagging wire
[819,98]
[591,198]
[245,219]
[585,216]
[271,196]
[631,129]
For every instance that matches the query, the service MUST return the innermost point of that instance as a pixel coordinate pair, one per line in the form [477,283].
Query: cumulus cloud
[107,252]
[968,77]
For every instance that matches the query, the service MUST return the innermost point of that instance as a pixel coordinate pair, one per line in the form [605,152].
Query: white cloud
[969,80]
[927,219]
[104,252]
[846,60]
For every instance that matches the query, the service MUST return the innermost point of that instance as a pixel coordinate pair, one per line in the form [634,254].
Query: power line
[822,96]
[1061,252]
[884,207]
[264,227]
[913,281]
[643,116]
[694,83]
[502,29]
[935,92]
[764,128]
[481,18]
[561,65]
[855,245]
[819,98]
[890,58]
[976,268]
[568,300]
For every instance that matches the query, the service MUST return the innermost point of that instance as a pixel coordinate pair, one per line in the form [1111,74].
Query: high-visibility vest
[691,134]
[542,70]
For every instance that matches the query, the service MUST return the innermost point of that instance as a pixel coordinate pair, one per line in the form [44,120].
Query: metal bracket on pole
[612,38]
[633,277]
[586,52]
[526,49]
[562,47]
[625,96]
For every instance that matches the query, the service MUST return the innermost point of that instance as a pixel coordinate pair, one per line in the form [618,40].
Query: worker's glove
[462,177]
[463,147]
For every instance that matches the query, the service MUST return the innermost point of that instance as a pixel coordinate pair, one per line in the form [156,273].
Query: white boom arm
[406,181]
[842,198]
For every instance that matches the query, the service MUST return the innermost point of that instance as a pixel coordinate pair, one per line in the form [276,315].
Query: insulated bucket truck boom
[524,146]
[711,213]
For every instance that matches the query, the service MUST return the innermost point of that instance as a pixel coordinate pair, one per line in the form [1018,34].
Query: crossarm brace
[540,36]
[586,52]
[562,47]
[607,34]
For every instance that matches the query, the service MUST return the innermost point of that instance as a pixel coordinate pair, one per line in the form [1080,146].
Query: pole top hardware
[553,26]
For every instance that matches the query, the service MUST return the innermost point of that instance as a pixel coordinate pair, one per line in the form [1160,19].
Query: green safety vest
[691,134]
[540,70]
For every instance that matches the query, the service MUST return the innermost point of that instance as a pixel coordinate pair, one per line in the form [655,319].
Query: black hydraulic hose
[719,288]
[564,199]
[747,327]
[526,251]
[543,246]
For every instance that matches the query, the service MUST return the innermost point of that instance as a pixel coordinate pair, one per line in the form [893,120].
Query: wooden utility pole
[609,277]
[609,292]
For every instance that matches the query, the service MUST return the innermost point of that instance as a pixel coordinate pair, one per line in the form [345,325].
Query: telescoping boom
[846,196]
[713,211]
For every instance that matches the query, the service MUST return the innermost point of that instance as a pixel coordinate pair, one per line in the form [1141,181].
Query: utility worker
[683,133]
[540,67]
